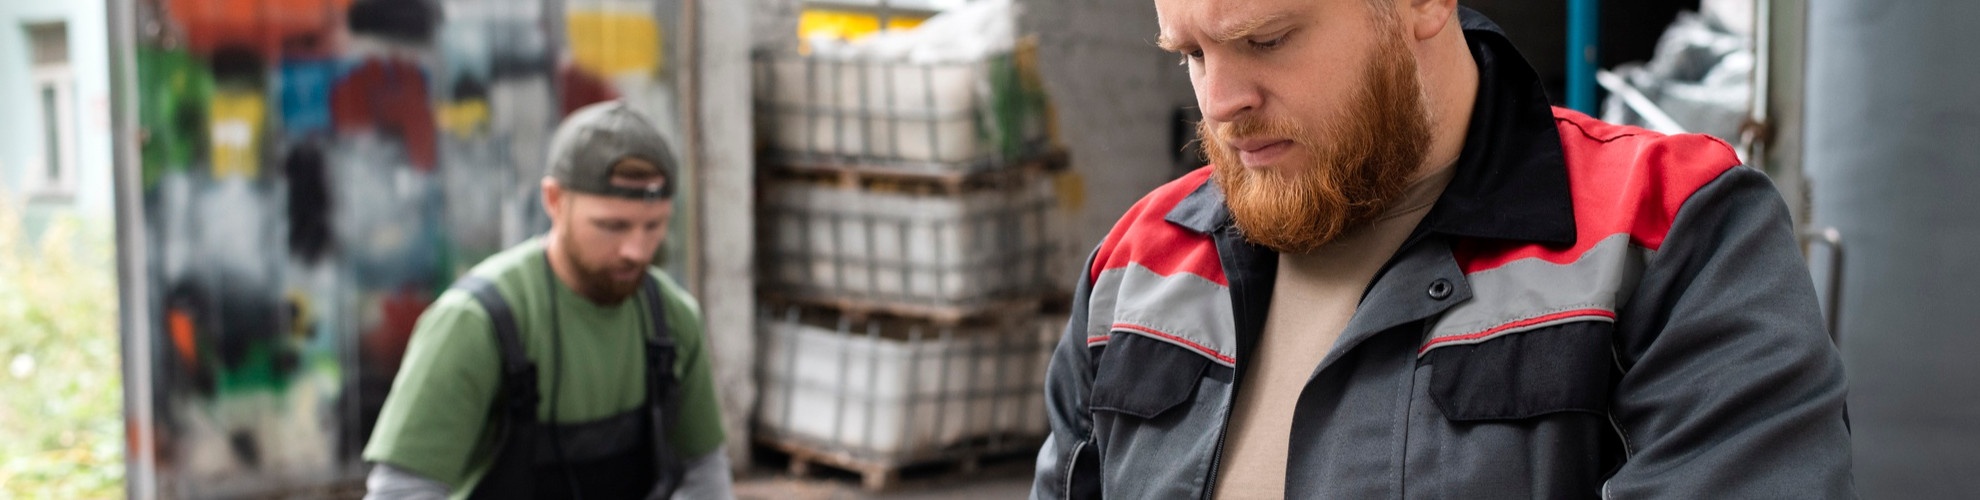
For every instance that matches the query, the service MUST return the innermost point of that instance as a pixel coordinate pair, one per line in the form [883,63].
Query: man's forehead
[1196,21]
[616,208]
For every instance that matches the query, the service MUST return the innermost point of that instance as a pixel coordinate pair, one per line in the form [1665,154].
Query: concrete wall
[1115,95]
[1892,153]
[20,128]
[773,24]
[727,183]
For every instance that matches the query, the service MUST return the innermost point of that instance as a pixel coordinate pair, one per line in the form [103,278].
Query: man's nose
[636,248]
[1225,92]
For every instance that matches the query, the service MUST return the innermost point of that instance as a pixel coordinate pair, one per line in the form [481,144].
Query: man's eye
[1194,55]
[1268,44]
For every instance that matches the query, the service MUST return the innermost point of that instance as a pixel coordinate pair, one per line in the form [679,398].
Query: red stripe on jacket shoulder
[1624,180]
[1144,237]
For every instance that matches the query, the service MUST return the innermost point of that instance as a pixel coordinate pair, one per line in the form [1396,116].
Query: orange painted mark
[180,325]
[259,25]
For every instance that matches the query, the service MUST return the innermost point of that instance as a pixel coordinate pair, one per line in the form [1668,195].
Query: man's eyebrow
[1246,28]
[1233,32]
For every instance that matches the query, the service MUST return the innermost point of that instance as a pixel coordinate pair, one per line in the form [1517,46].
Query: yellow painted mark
[848,25]
[610,43]
[1071,189]
[464,119]
[238,120]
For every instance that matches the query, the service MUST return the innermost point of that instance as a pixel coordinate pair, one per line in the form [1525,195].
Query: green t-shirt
[435,420]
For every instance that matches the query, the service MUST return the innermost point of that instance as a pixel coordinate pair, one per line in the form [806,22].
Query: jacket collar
[1511,179]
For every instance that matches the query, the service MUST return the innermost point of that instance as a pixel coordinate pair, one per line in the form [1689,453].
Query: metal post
[1584,38]
[940,263]
[973,354]
[997,388]
[810,107]
[792,322]
[934,116]
[844,335]
[837,252]
[838,110]
[906,262]
[133,307]
[870,224]
[893,117]
[872,381]
[864,113]
[943,394]
[913,398]
[1832,299]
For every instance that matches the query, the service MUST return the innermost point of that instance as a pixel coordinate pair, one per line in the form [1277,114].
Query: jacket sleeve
[1068,464]
[1730,386]
[387,482]
[707,477]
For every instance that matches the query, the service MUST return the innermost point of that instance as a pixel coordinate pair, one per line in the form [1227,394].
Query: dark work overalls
[620,456]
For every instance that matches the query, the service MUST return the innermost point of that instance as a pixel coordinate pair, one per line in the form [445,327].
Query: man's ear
[553,198]
[1425,19]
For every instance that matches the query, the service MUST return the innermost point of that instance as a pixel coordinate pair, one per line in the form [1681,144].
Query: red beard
[1351,172]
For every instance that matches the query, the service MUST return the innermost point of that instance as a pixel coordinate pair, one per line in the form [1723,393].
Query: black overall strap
[662,388]
[515,407]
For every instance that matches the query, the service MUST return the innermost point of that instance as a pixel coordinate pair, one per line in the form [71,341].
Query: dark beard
[1352,172]
[594,284]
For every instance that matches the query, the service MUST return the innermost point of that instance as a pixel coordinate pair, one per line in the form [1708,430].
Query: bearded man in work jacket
[1404,275]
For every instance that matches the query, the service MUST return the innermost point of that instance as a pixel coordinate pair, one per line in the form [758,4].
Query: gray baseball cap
[596,137]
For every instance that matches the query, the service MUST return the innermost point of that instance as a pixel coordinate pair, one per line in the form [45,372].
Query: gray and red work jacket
[1588,310]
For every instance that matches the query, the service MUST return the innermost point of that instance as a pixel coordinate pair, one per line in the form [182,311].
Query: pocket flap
[1144,377]
[1568,367]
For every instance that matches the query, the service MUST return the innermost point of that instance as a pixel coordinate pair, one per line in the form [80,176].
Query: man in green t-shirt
[585,311]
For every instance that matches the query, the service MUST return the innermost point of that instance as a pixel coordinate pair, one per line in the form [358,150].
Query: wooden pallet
[1056,302]
[925,176]
[878,474]
[859,310]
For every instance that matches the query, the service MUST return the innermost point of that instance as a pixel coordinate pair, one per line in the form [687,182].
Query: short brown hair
[631,169]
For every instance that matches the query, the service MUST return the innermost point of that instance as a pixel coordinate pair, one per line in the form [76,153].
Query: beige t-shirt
[1315,296]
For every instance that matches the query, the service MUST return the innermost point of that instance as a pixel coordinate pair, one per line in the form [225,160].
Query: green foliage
[60,409]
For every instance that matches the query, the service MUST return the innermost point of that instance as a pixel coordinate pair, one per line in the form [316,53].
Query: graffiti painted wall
[314,173]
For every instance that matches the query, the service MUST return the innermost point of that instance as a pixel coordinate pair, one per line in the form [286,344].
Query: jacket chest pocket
[1561,368]
[1152,436]
[1145,378]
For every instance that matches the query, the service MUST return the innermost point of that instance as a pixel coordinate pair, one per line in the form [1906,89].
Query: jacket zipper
[1223,432]
[1237,374]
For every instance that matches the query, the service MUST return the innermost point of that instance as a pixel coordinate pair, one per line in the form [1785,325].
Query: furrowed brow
[1246,28]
